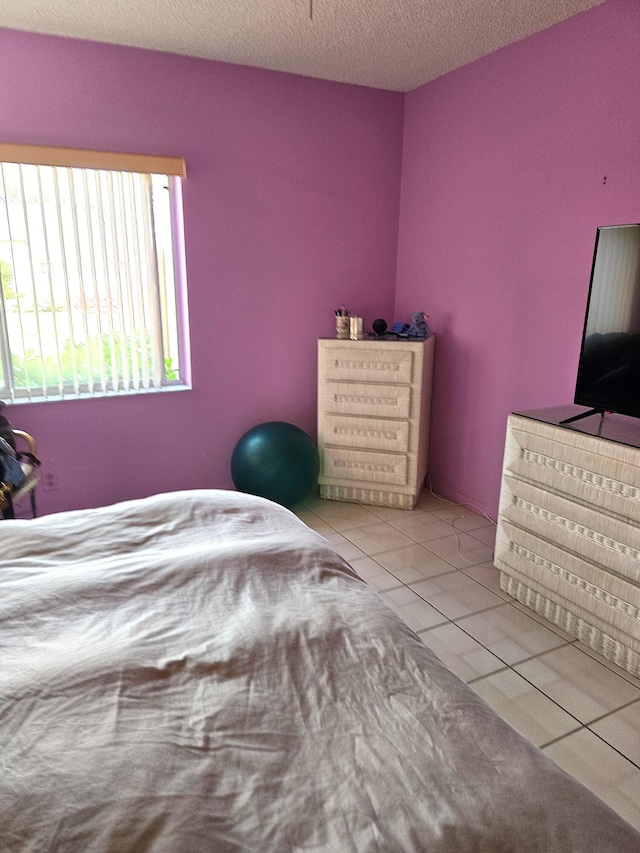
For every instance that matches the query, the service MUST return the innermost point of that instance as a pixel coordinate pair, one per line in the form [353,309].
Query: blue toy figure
[419,329]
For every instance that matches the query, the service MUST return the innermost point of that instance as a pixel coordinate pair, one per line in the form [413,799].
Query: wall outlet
[49,481]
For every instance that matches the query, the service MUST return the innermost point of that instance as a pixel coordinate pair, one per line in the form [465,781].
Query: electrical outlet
[50,481]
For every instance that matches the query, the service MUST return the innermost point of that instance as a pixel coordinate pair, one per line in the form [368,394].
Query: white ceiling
[387,44]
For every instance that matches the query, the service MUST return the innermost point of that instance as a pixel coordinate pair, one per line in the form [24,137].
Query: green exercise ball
[275,460]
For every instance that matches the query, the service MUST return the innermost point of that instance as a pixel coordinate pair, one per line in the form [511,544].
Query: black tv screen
[609,366]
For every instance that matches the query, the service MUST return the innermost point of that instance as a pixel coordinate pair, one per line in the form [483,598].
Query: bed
[200,672]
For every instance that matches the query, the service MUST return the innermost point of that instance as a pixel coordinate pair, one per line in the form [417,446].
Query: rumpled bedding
[199,672]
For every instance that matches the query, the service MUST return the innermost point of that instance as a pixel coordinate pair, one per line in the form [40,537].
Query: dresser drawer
[361,466]
[565,463]
[369,364]
[368,434]
[551,567]
[606,541]
[381,401]
[606,601]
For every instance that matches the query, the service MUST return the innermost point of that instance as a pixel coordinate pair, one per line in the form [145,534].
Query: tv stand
[568,537]
[582,415]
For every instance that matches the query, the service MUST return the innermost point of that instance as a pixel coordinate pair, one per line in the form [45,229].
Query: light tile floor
[433,566]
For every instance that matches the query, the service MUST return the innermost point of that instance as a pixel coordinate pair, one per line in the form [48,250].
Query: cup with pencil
[342,323]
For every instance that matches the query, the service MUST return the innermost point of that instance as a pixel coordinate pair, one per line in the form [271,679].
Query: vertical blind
[89,306]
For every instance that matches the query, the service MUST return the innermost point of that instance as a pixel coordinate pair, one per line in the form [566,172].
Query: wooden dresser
[374,404]
[568,537]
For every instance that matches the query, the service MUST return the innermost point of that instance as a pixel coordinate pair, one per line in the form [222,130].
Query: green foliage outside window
[6,276]
[84,362]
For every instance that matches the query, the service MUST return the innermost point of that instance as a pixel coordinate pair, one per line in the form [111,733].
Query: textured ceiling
[388,44]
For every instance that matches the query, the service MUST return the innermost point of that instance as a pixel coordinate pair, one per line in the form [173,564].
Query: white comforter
[200,673]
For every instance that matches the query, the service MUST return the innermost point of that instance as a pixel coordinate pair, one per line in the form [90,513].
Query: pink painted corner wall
[291,208]
[509,166]
[481,209]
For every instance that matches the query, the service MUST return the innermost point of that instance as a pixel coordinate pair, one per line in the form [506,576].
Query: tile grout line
[606,742]
[555,740]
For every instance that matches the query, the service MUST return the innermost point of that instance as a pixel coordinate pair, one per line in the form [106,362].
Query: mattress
[200,671]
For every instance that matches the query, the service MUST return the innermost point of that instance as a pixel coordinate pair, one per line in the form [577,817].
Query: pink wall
[503,186]
[291,207]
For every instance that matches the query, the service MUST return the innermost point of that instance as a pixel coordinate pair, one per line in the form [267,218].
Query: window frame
[173,168]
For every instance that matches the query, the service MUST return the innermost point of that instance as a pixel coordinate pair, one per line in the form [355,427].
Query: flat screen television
[609,366]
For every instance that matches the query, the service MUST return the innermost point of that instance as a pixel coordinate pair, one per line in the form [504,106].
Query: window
[90,260]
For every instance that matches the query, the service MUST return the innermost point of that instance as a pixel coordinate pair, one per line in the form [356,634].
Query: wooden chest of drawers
[374,402]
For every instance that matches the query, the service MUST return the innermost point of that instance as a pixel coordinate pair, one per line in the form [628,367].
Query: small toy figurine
[419,329]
